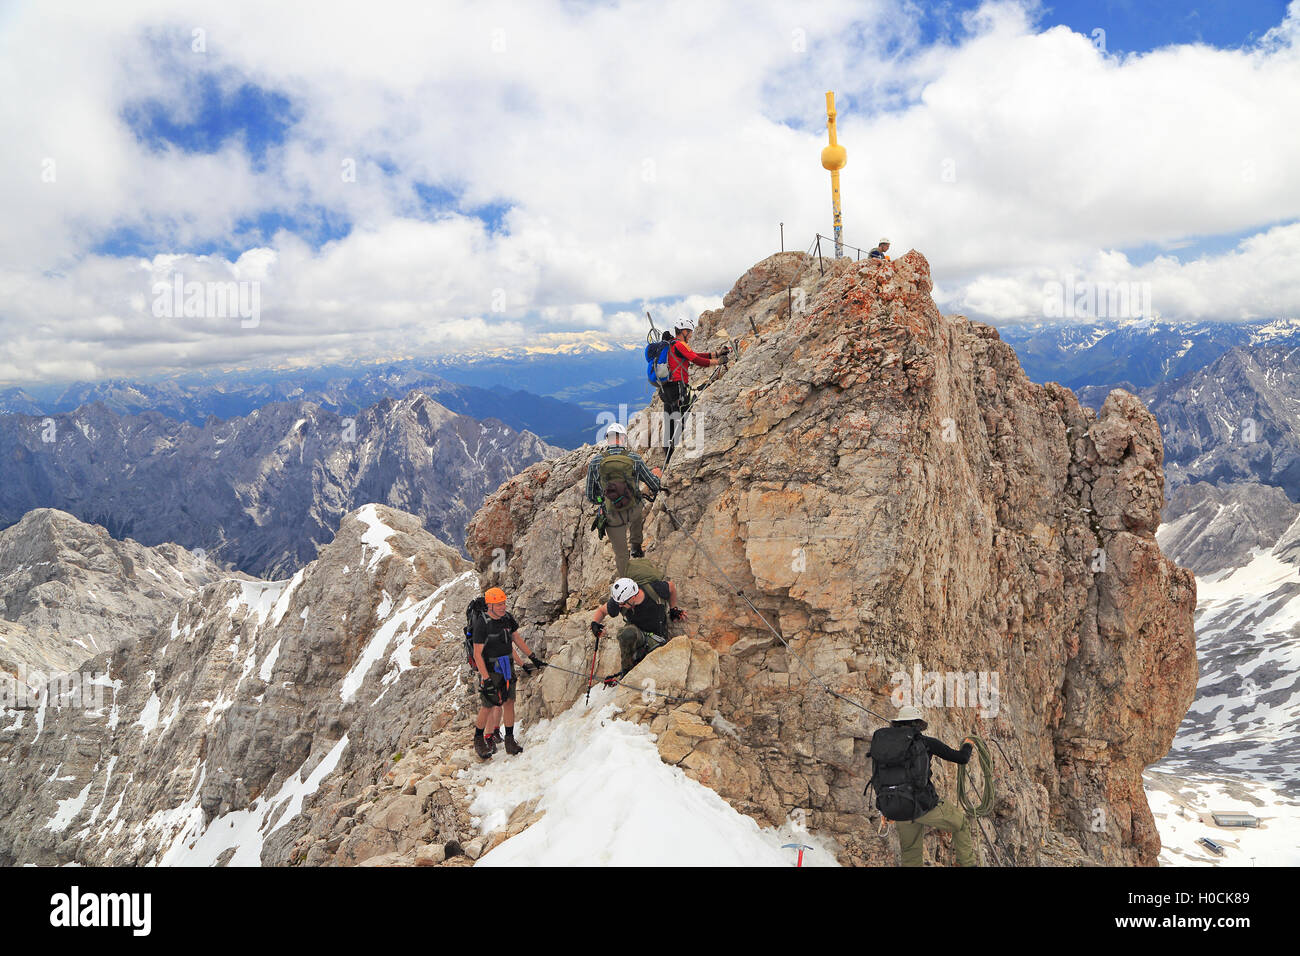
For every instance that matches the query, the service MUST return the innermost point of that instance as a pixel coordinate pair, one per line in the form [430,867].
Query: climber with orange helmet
[494,636]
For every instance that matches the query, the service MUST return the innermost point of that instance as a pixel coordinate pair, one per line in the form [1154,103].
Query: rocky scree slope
[893,492]
[70,591]
[317,720]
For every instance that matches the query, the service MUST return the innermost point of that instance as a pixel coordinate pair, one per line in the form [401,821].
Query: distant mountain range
[345,391]
[1092,358]
[261,491]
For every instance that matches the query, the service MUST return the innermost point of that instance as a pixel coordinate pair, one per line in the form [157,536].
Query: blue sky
[1136,26]
[417,178]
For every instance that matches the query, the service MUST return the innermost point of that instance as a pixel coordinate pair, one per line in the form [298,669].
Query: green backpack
[644,573]
[618,484]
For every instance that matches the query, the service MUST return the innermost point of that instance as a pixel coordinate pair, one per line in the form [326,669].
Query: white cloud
[646,152]
[1255,280]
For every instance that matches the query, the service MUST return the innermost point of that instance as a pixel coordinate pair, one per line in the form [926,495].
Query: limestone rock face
[896,498]
[314,720]
[1218,527]
[70,591]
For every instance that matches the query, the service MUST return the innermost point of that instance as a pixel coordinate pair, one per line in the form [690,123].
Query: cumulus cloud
[627,153]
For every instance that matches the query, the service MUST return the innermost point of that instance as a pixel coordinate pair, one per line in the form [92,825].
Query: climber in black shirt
[494,636]
[900,756]
[647,612]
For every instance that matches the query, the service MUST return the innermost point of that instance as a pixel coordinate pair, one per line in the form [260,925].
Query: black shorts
[507,690]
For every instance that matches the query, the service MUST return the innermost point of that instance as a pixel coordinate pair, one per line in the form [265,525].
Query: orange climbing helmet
[495,596]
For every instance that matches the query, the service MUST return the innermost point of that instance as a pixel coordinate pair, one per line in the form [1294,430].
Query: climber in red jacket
[676,391]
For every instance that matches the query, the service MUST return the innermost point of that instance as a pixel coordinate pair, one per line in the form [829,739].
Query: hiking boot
[494,738]
[512,746]
[483,748]
[638,553]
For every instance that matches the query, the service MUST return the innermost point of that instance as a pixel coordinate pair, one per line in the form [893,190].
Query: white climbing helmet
[685,325]
[909,713]
[615,429]
[623,590]
[883,242]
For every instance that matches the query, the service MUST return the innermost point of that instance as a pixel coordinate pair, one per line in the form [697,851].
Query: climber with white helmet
[647,602]
[614,480]
[880,251]
[676,392]
[900,773]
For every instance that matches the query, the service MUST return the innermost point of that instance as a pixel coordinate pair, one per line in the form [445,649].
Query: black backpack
[477,609]
[900,773]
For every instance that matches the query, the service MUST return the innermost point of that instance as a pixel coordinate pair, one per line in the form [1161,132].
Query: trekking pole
[592,676]
[797,846]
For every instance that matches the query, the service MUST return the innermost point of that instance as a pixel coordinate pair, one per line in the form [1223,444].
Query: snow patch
[67,811]
[609,800]
[243,830]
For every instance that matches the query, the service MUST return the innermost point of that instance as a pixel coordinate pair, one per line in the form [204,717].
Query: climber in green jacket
[614,480]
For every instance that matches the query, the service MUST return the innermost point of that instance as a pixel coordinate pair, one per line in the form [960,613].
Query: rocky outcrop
[316,720]
[265,491]
[882,482]
[70,591]
[897,498]
[1210,528]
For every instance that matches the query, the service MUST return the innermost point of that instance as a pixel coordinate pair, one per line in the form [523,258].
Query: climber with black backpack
[900,773]
[647,602]
[614,480]
[493,636]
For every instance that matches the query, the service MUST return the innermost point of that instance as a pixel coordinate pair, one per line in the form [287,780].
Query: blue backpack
[656,361]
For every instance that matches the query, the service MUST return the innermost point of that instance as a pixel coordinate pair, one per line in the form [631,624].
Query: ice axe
[797,846]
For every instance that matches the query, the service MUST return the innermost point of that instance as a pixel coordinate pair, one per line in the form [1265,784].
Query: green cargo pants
[943,817]
[620,522]
[634,644]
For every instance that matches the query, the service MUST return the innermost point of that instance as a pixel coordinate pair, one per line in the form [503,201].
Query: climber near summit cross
[676,392]
[646,605]
[495,634]
[614,480]
[900,760]
[880,251]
